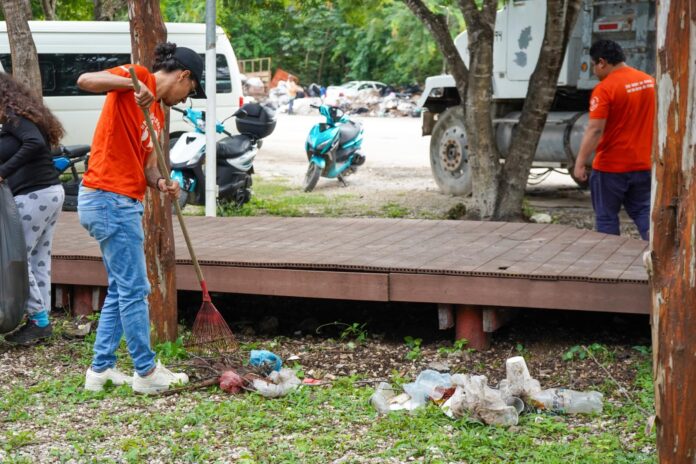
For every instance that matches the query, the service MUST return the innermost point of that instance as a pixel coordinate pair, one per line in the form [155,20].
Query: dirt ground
[397,171]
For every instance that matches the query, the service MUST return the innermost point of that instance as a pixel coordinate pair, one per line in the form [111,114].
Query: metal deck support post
[469,325]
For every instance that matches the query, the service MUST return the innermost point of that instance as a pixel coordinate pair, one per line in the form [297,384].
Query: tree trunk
[148,30]
[106,10]
[483,152]
[498,192]
[560,20]
[49,8]
[25,61]
[322,57]
[672,260]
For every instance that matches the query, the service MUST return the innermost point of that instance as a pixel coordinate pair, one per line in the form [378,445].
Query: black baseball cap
[194,63]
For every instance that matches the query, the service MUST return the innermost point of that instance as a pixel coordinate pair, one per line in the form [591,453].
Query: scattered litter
[231,382]
[518,382]
[439,366]
[277,384]
[429,384]
[541,218]
[384,399]
[77,328]
[381,397]
[568,401]
[367,102]
[265,360]
[310,381]
[469,395]
[294,357]
[475,398]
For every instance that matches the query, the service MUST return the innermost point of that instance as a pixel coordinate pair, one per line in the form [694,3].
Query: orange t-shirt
[121,141]
[626,99]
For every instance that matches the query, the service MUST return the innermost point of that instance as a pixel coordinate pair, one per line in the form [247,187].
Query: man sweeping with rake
[123,163]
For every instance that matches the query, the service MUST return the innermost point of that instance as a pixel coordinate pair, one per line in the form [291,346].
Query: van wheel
[449,153]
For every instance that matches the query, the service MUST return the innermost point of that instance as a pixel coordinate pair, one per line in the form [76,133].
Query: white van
[69,48]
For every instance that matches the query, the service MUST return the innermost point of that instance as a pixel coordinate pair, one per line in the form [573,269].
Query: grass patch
[311,425]
[277,197]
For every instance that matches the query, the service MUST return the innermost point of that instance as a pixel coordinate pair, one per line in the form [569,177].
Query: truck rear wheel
[449,156]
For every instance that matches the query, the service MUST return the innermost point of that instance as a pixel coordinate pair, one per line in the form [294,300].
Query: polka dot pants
[39,212]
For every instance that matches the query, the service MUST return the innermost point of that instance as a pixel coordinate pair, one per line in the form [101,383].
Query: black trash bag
[14,273]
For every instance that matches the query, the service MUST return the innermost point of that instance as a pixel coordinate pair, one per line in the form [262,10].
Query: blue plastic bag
[14,272]
[264,358]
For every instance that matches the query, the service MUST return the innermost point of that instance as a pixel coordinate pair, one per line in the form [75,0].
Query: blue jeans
[610,190]
[115,221]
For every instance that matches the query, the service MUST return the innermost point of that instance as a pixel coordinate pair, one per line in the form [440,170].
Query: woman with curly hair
[29,130]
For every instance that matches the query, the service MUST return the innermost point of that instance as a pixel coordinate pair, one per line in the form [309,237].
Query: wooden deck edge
[521,293]
[258,281]
[465,290]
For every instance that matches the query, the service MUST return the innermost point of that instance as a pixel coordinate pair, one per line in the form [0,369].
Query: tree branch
[437,25]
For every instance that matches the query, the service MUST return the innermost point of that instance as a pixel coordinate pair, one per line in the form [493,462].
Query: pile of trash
[368,102]
[270,379]
[461,395]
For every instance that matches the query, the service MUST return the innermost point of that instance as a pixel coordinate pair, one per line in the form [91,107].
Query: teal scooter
[333,147]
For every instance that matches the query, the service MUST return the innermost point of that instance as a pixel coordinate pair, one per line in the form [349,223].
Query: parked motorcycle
[67,158]
[235,154]
[333,147]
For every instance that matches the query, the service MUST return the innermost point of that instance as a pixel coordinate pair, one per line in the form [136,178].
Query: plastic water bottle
[567,401]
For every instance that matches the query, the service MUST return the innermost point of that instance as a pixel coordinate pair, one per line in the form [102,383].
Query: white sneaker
[157,381]
[94,381]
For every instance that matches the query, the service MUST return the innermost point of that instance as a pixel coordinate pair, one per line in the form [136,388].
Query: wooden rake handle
[164,172]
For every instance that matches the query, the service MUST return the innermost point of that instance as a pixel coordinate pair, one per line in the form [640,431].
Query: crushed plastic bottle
[567,401]
[429,384]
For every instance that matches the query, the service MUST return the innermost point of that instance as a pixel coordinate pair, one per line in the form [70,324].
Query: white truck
[519,31]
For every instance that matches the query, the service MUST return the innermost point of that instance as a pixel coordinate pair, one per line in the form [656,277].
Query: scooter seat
[76,151]
[232,147]
[348,131]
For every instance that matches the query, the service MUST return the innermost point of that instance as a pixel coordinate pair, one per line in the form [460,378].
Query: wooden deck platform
[466,263]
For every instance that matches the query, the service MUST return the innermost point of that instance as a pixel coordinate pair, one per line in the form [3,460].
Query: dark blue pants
[610,190]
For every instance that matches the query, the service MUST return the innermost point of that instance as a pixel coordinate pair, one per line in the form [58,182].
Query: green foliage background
[323,41]
[328,41]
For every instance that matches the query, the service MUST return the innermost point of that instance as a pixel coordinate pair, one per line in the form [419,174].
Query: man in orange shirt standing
[122,165]
[620,132]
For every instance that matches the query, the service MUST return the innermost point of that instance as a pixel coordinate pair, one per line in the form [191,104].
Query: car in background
[350,89]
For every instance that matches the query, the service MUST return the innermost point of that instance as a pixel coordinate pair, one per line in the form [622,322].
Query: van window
[223,84]
[59,71]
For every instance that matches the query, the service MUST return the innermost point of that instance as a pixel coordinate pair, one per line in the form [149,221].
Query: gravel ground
[61,411]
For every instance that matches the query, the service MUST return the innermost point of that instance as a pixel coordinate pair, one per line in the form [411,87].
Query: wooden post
[672,259]
[469,325]
[147,31]
[86,299]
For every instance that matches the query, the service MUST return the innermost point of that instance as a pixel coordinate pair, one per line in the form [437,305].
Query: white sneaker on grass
[95,381]
[158,380]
